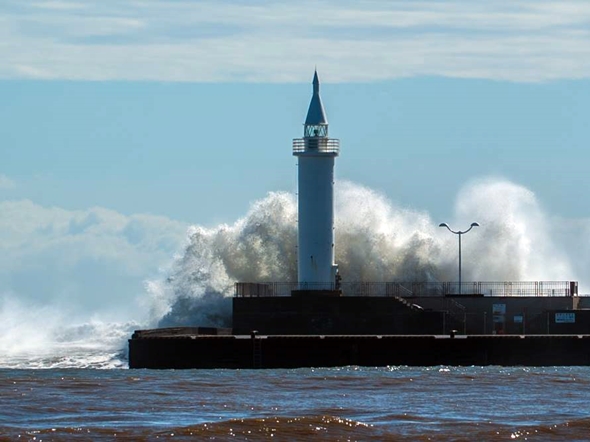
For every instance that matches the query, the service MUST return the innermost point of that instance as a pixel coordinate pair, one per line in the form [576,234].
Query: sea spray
[375,241]
[516,239]
[259,247]
[46,337]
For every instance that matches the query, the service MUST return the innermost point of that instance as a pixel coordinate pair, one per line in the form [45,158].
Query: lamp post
[459,233]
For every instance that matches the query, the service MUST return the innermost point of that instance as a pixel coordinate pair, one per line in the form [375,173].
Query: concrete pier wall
[349,315]
[330,351]
[502,314]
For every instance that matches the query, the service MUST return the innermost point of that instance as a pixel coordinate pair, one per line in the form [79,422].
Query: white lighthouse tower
[316,154]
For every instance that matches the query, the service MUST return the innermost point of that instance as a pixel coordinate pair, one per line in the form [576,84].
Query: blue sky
[138,119]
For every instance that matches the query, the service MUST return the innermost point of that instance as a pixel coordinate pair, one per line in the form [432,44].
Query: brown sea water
[340,404]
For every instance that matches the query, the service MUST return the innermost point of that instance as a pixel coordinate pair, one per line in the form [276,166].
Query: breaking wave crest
[375,241]
[44,337]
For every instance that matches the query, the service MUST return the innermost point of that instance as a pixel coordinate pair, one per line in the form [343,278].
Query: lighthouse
[316,154]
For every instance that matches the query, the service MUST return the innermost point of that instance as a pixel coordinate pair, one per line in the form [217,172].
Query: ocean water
[339,404]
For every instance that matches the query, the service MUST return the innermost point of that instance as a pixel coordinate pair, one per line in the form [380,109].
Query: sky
[125,122]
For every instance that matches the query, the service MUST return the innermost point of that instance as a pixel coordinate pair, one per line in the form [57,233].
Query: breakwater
[149,349]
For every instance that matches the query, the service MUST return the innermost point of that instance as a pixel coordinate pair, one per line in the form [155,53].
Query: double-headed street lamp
[459,233]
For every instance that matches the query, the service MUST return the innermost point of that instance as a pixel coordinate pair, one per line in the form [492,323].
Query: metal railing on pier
[412,289]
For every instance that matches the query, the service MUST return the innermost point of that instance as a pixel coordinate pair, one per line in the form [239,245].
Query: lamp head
[474,225]
[443,225]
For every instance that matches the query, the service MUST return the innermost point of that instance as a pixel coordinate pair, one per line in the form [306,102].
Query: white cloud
[90,260]
[6,183]
[279,41]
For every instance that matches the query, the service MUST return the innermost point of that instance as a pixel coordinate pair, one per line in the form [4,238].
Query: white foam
[375,241]
[45,337]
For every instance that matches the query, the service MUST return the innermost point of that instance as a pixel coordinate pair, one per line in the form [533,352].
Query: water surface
[349,403]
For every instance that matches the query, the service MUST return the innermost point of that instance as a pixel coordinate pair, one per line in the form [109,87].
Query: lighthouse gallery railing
[319,144]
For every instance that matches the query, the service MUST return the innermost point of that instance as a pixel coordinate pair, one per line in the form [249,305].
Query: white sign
[565,318]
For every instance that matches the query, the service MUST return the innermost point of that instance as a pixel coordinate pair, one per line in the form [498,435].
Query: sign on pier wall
[565,318]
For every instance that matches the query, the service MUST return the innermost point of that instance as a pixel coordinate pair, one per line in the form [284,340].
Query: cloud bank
[264,41]
[94,260]
[6,183]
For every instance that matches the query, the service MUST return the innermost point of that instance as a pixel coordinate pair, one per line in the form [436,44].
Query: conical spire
[316,114]
[316,83]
